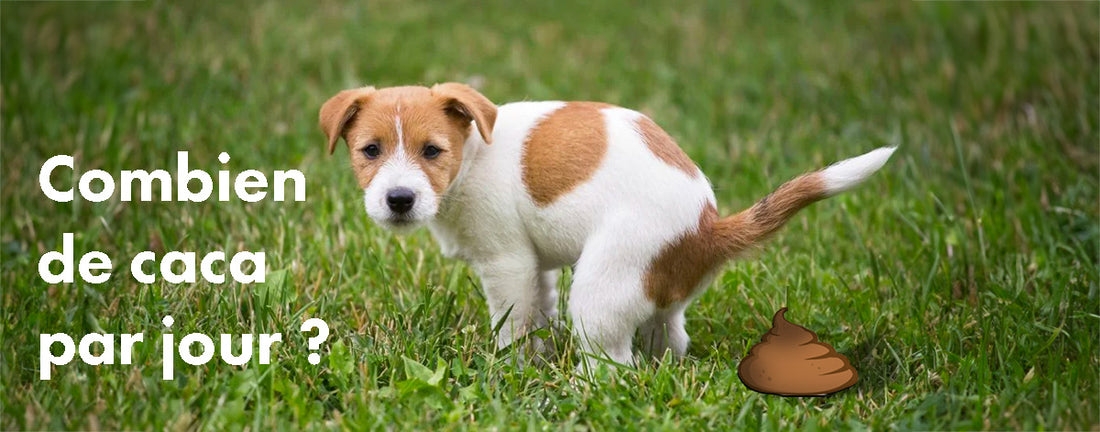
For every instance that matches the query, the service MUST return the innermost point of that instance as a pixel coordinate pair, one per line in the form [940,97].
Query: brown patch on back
[679,268]
[664,147]
[563,150]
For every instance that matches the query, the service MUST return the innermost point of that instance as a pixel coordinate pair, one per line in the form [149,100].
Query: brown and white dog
[522,190]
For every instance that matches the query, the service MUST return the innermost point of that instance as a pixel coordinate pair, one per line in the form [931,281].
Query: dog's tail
[743,230]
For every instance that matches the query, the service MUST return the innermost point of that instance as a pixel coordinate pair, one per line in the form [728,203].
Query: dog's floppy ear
[339,110]
[462,101]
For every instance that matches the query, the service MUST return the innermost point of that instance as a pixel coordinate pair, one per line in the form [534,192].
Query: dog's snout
[400,200]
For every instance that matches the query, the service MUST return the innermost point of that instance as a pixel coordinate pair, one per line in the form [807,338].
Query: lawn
[962,280]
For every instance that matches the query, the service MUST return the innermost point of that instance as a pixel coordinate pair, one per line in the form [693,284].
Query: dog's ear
[339,110]
[466,103]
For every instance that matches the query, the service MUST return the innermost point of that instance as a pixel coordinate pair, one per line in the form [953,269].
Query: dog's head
[406,144]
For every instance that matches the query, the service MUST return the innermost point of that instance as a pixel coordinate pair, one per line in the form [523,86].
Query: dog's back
[577,171]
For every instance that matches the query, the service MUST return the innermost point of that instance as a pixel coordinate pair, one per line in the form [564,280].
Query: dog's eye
[431,151]
[372,150]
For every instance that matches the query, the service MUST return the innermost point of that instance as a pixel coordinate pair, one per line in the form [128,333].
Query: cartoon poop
[790,361]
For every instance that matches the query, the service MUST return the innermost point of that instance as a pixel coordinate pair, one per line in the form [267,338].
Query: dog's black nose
[400,200]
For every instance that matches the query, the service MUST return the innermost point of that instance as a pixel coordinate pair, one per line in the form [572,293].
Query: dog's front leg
[512,288]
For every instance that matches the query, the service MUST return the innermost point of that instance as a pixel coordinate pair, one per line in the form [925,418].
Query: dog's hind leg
[607,302]
[665,332]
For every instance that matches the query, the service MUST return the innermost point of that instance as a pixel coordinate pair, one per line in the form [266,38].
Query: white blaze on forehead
[400,133]
[399,170]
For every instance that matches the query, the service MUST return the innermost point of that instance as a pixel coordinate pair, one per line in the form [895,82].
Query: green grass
[962,281]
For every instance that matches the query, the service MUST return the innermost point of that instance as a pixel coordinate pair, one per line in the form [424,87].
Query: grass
[962,281]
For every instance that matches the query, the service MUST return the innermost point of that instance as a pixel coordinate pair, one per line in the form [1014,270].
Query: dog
[522,190]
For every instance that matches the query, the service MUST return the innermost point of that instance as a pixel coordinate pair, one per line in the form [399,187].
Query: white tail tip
[848,173]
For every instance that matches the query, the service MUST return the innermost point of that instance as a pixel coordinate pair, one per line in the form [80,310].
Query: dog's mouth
[401,223]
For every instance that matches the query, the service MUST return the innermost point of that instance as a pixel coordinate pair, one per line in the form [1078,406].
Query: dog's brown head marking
[466,104]
[406,144]
[430,125]
[338,111]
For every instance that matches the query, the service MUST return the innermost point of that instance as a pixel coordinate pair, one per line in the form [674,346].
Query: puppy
[521,190]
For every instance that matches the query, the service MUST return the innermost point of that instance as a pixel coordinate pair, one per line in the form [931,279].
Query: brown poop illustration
[790,361]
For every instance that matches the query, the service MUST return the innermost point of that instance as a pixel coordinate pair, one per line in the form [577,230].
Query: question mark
[315,341]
